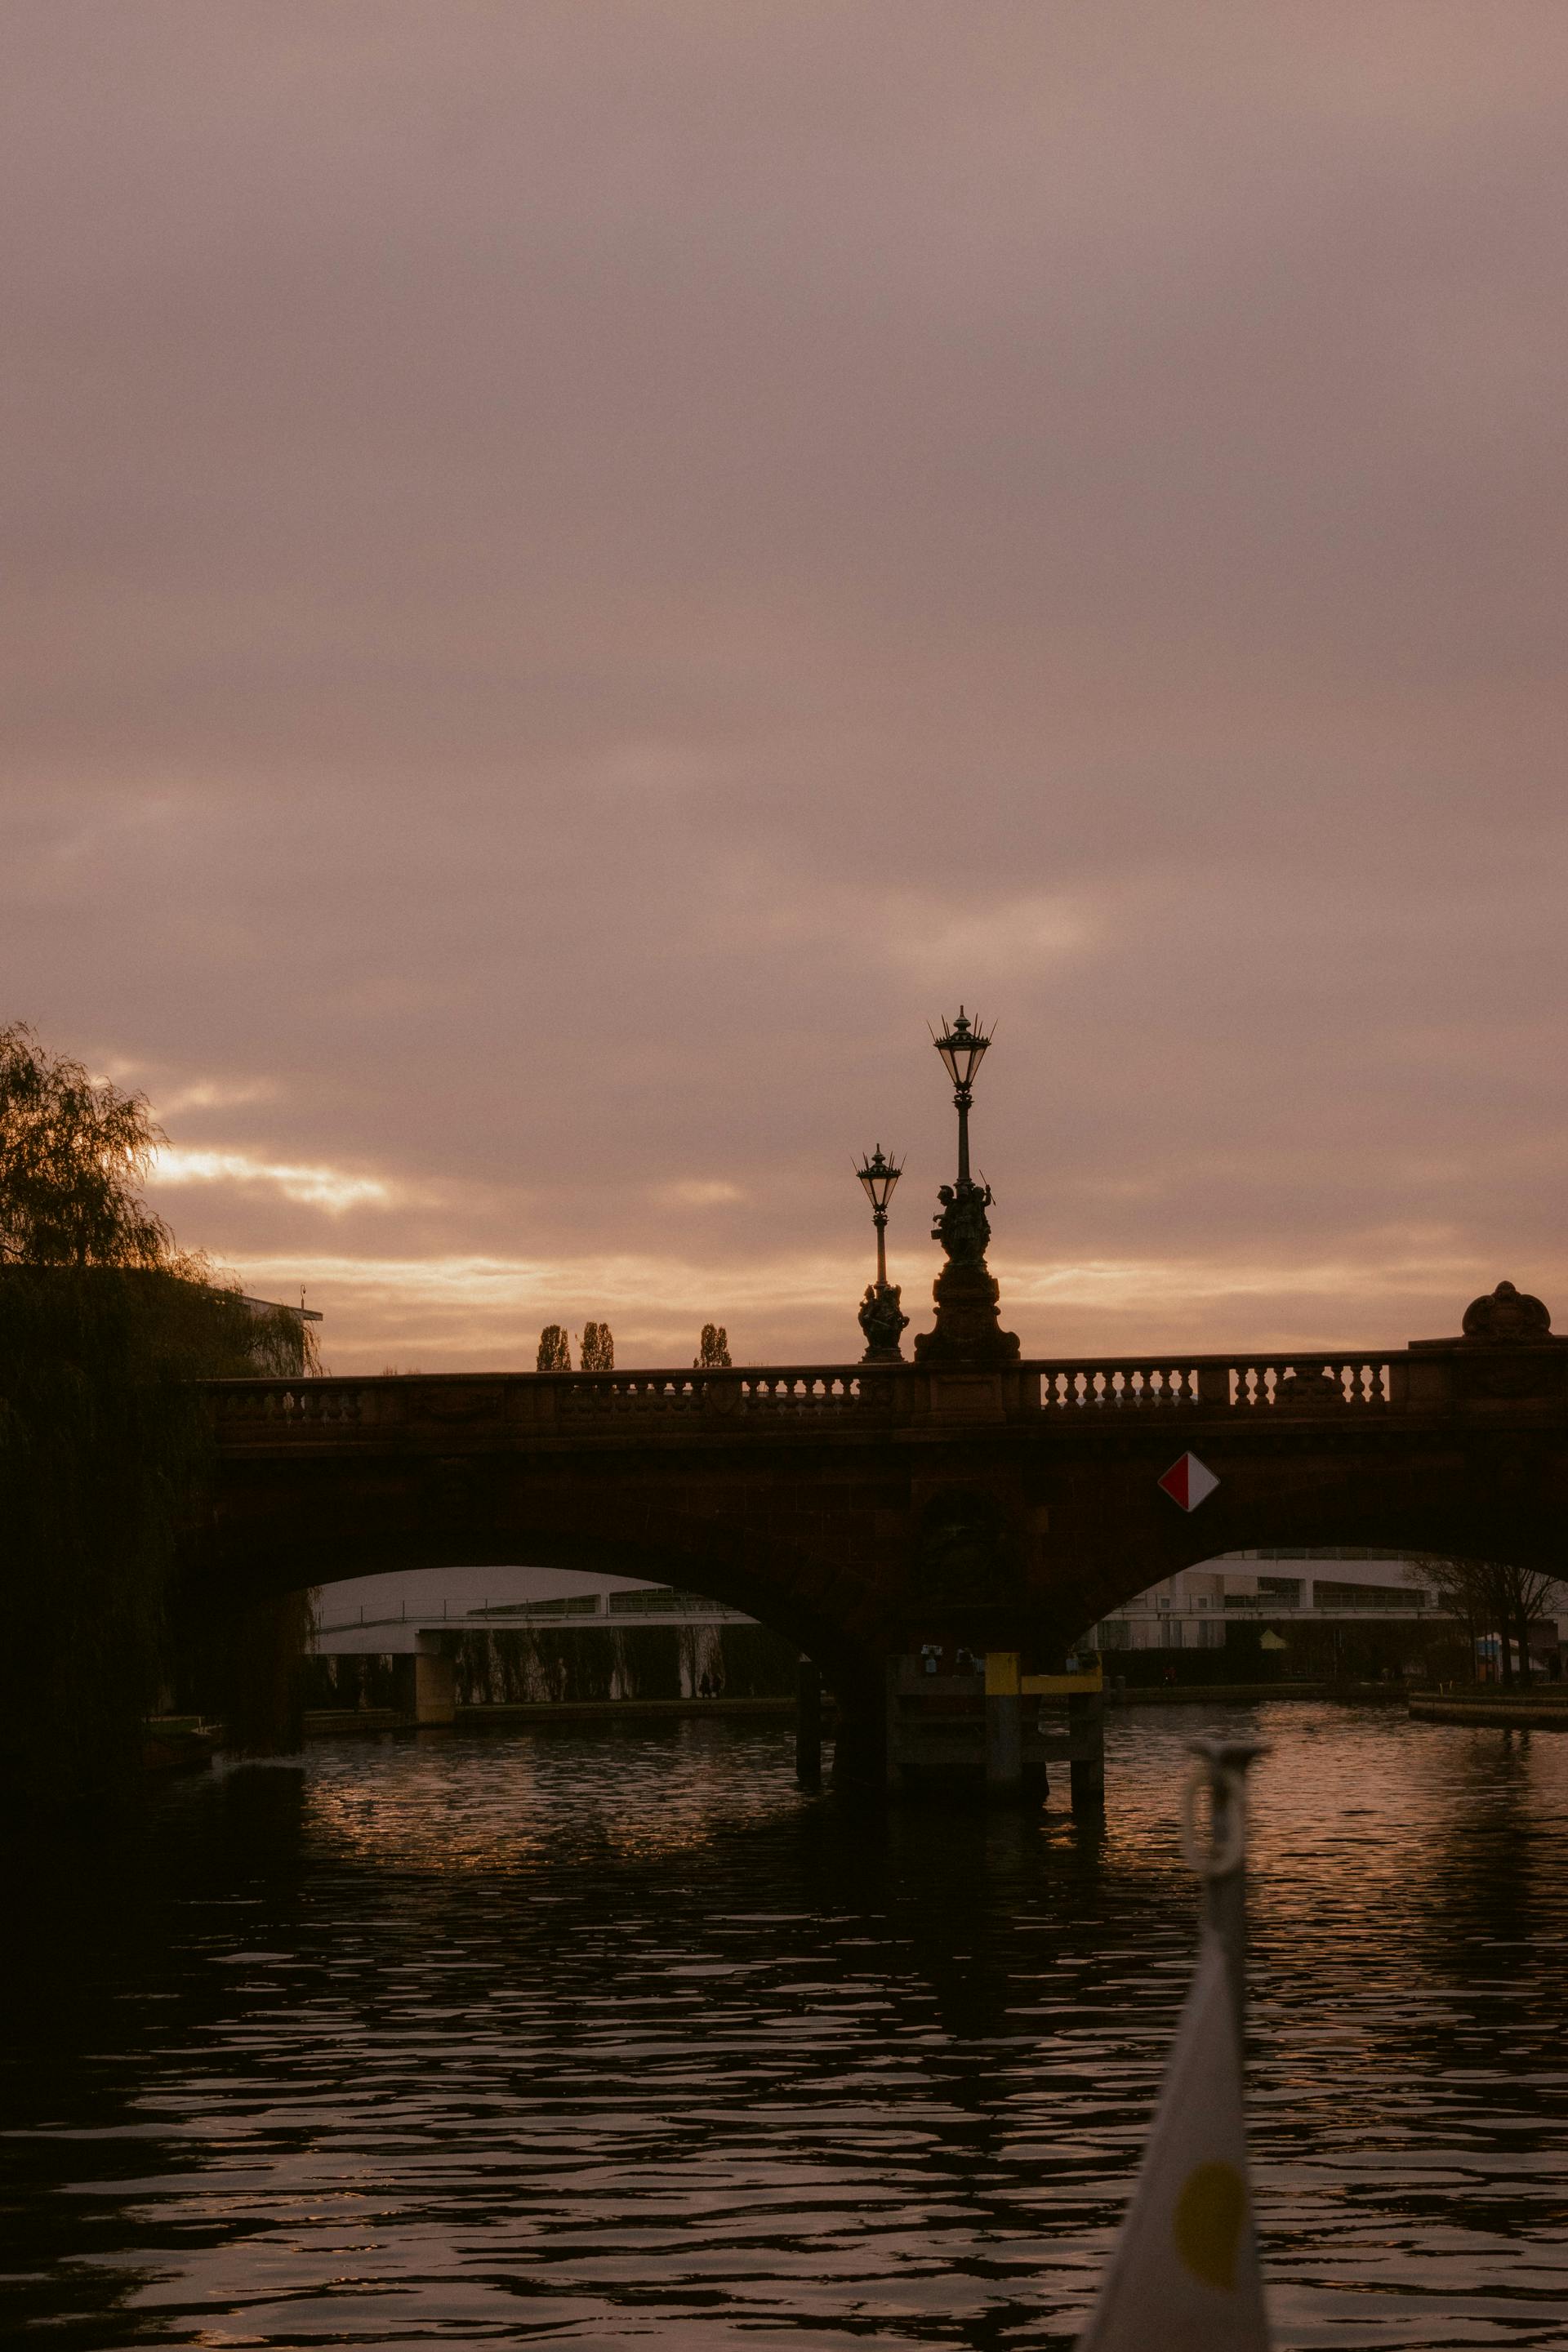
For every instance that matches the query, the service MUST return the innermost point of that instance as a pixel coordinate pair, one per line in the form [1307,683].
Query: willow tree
[104,1442]
[71,1153]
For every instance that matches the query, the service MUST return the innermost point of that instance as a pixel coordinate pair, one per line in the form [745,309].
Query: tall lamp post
[968,1329]
[962,1046]
[882,1318]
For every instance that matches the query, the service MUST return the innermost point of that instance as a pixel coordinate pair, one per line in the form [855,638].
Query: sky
[577,572]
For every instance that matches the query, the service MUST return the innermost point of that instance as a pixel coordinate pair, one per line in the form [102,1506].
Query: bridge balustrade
[600,1395]
[1241,1385]
[1113,1386]
[277,1406]
[1292,1382]
[1285,1384]
[284,1404]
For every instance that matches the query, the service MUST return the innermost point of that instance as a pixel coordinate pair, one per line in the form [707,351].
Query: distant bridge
[865,1510]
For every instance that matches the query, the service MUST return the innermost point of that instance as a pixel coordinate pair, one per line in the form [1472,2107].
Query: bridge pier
[808,1725]
[1004,1727]
[425,1684]
[1085,1751]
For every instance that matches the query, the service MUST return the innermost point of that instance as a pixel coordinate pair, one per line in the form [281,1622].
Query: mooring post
[1221,1771]
[1003,1724]
[1086,1749]
[808,1725]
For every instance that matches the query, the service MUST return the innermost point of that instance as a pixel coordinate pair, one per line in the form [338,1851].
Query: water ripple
[590,2038]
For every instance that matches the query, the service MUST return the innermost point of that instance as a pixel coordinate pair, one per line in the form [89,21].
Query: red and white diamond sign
[1189,1482]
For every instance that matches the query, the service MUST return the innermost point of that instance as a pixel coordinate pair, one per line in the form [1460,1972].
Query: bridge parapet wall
[1238,1388]
[574,1402]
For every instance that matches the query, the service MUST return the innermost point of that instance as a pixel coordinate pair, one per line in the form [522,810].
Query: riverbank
[327,1723]
[178,1743]
[332,1723]
[1253,1694]
[1539,1712]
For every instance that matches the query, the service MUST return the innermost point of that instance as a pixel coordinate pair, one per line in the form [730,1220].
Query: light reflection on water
[595,2037]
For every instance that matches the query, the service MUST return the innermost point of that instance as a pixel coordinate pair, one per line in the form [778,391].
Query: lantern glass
[962,1046]
[878,1177]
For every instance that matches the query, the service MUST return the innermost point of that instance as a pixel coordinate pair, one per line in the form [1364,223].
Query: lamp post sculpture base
[968,1328]
[968,1331]
[882,1321]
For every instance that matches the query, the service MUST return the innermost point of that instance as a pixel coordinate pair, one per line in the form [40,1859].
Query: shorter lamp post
[881,1317]
[878,1177]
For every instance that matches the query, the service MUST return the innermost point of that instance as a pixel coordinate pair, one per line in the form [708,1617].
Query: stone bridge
[864,1510]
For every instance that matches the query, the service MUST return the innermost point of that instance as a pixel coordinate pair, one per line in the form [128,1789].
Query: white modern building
[1189,1610]
[387,1614]
[1332,1583]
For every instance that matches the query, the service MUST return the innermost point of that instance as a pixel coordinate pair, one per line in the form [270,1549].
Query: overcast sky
[575,573]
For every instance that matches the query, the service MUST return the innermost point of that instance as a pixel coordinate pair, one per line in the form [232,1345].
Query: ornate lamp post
[881,1317]
[968,1331]
[878,1178]
[962,1046]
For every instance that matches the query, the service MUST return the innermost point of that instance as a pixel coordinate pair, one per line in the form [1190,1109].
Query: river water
[612,2037]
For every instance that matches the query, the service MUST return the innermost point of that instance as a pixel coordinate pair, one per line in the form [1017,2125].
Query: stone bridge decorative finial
[1507,1318]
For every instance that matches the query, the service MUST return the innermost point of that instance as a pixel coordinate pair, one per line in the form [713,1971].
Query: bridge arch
[769,1575]
[1483,1502]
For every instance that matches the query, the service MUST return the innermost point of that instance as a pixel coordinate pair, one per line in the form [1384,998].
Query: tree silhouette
[713,1350]
[554,1350]
[105,1445]
[598,1349]
[73,1152]
[1490,1597]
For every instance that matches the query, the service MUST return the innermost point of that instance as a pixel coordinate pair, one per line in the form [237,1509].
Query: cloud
[200,1094]
[572,578]
[318,1188]
[1001,944]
